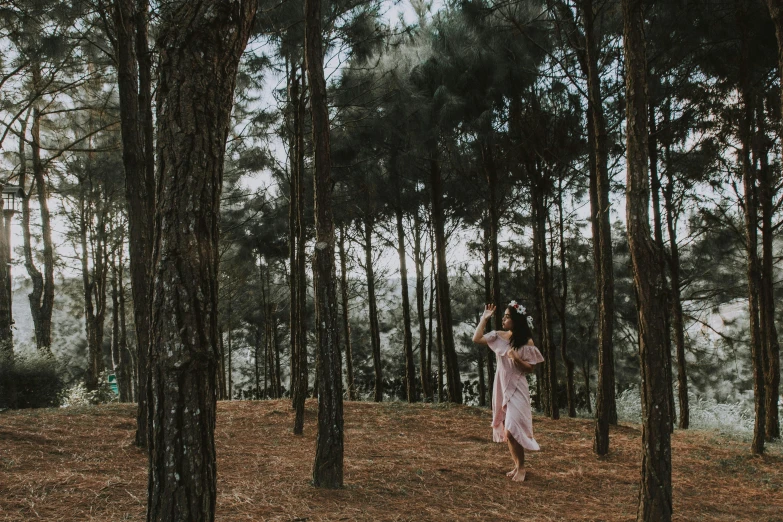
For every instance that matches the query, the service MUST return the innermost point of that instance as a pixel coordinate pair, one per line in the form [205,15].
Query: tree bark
[444,295]
[410,368]
[258,340]
[491,173]
[222,393]
[301,257]
[133,79]
[569,363]
[543,288]
[375,331]
[655,190]
[200,48]
[438,382]
[328,466]
[100,251]
[276,348]
[678,322]
[439,343]
[299,367]
[293,213]
[115,314]
[767,238]
[655,492]
[767,193]
[42,294]
[606,407]
[346,322]
[125,376]
[6,334]
[750,205]
[418,258]
[94,356]
[485,395]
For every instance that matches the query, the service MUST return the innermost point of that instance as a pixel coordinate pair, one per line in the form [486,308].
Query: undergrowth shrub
[30,381]
[705,413]
[78,395]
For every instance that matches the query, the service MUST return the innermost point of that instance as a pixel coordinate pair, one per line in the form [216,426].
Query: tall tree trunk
[276,348]
[258,341]
[444,296]
[42,294]
[655,190]
[293,213]
[316,376]
[487,399]
[541,399]
[482,385]
[301,257]
[543,288]
[418,258]
[439,342]
[767,193]
[134,81]
[410,368]
[375,331]
[222,393]
[100,250]
[328,466]
[569,363]
[299,279]
[115,314]
[94,359]
[346,322]
[750,205]
[606,407]
[125,374]
[273,359]
[6,334]
[655,492]
[767,233]
[439,382]
[678,322]
[487,299]
[195,96]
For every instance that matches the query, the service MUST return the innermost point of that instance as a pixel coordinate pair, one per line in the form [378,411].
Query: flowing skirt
[515,416]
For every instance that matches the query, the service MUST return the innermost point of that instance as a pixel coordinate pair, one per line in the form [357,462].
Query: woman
[516,355]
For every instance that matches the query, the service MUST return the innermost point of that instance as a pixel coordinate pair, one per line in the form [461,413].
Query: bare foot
[520,476]
[512,472]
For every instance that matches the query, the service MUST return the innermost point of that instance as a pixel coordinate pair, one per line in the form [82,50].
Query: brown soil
[402,462]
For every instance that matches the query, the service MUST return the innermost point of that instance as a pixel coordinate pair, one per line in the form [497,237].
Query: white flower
[518,307]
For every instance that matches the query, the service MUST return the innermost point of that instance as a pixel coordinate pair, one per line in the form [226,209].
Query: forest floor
[402,462]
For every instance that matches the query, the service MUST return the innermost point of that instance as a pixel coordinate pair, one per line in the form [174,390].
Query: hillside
[419,462]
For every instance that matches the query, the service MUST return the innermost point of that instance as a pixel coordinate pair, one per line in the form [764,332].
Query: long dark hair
[520,329]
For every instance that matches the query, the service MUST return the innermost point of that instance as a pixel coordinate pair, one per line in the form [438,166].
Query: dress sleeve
[492,341]
[491,336]
[530,354]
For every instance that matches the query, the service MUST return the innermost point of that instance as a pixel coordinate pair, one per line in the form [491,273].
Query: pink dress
[511,395]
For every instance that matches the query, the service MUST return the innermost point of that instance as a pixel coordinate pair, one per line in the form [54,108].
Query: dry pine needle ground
[402,462]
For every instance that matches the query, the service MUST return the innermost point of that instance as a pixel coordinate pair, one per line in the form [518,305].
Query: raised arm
[478,337]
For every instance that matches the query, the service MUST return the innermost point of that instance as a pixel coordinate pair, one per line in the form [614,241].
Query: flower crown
[521,310]
[518,307]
